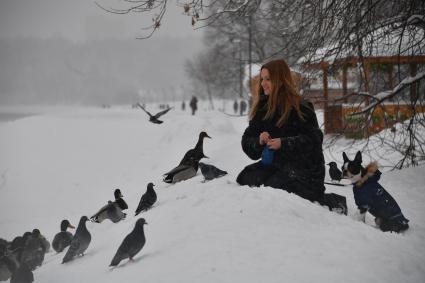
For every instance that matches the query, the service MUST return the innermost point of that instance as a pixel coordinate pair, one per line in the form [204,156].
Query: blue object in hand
[267,156]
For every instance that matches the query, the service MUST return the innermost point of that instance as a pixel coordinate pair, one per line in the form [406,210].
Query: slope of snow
[65,164]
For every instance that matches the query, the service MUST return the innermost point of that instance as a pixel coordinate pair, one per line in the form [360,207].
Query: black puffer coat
[298,165]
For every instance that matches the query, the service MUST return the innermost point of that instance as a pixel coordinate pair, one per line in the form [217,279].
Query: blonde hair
[284,95]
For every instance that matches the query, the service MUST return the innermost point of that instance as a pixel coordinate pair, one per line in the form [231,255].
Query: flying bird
[63,238]
[132,243]
[210,171]
[147,200]
[80,242]
[334,172]
[154,118]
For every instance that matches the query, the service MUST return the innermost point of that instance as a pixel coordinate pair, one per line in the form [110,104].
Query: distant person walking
[235,106]
[242,107]
[183,106]
[194,104]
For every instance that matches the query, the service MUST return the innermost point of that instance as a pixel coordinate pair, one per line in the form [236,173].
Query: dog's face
[352,169]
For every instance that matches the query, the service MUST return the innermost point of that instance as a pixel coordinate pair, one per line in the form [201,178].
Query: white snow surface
[66,163]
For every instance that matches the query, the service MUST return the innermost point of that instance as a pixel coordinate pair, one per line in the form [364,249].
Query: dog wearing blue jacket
[371,197]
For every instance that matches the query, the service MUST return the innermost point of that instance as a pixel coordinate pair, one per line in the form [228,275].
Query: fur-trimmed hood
[370,170]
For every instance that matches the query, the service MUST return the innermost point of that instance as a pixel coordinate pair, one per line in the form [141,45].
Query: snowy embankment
[65,164]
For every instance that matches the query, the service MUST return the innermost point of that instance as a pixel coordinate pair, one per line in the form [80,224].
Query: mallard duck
[63,238]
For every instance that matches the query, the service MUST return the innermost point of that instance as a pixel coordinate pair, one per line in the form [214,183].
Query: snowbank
[64,164]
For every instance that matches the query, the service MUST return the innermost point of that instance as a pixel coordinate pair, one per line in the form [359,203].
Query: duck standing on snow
[189,164]
[210,171]
[119,200]
[34,250]
[196,153]
[63,238]
[7,264]
[132,243]
[22,274]
[80,242]
[44,242]
[112,210]
[17,248]
[7,267]
[147,200]
[181,172]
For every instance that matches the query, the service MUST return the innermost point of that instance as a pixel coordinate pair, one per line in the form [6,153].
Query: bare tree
[212,72]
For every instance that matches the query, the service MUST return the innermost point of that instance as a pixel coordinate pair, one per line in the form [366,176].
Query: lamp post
[238,41]
[249,51]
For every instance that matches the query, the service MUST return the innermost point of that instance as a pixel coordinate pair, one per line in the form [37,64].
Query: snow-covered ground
[65,164]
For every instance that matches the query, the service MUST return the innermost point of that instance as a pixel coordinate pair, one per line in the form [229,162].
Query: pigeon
[196,153]
[154,118]
[80,242]
[334,172]
[112,210]
[63,238]
[132,243]
[147,200]
[210,171]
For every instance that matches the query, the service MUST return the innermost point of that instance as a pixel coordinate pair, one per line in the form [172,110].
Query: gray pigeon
[80,242]
[210,171]
[147,200]
[132,243]
[63,238]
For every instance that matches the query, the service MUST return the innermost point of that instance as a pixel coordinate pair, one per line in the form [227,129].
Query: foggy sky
[157,67]
[82,20]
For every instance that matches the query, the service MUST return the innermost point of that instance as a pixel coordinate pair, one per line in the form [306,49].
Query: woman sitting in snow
[283,131]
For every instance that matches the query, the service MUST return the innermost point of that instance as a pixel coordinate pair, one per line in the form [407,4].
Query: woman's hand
[274,143]
[264,138]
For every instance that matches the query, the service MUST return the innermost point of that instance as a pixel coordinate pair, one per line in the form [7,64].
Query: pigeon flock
[20,257]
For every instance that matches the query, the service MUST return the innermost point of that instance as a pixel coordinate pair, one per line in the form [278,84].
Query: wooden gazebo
[333,115]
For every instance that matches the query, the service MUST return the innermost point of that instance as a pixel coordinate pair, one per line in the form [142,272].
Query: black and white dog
[370,196]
